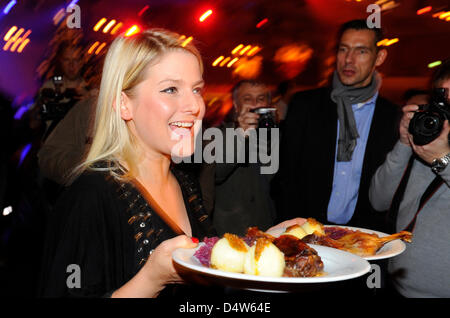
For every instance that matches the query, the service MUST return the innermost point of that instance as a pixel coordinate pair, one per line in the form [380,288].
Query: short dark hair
[360,24]
[252,82]
[441,74]
[410,93]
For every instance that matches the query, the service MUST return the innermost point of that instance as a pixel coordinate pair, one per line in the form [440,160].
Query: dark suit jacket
[305,179]
[237,195]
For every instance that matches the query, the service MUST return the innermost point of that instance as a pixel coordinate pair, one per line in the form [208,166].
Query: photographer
[238,193]
[414,182]
[68,66]
[66,87]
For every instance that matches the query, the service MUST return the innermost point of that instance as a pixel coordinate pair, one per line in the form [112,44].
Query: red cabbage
[203,254]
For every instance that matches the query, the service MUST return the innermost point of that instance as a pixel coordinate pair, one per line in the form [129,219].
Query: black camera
[54,103]
[267,117]
[427,123]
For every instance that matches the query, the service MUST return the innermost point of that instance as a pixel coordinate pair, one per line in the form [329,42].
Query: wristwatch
[440,164]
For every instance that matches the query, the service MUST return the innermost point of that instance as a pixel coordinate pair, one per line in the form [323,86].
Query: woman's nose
[194,104]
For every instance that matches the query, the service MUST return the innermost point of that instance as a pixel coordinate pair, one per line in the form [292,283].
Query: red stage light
[424,10]
[143,10]
[205,15]
[262,22]
[133,30]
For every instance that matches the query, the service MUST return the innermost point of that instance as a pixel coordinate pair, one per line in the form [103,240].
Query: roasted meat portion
[323,240]
[301,260]
[356,242]
[254,233]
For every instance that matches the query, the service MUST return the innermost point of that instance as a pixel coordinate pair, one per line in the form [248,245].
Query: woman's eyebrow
[180,81]
[170,80]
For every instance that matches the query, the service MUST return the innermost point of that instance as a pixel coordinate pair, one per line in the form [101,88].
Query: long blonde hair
[124,68]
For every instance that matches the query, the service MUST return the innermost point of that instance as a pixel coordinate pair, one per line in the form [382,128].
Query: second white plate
[389,250]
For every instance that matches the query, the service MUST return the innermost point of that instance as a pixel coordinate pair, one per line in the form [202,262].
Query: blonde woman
[127,209]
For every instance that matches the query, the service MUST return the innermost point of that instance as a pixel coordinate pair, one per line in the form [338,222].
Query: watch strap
[440,164]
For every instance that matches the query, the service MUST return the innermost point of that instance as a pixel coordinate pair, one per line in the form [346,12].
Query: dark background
[422,39]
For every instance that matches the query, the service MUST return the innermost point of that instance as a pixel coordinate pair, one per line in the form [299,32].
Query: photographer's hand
[408,113]
[246,119]
[435,149]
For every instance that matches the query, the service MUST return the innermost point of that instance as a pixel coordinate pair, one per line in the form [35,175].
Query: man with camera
[336,137]
[64,89]
[239,191]
[414,184]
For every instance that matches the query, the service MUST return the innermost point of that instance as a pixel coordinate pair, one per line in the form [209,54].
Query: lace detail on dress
[149,231]
[193,192]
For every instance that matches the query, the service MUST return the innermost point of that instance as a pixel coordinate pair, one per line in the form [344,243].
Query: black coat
[304,182]
[108,228]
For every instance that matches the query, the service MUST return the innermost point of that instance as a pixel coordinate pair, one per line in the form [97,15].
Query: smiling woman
[131,67]
[126,208]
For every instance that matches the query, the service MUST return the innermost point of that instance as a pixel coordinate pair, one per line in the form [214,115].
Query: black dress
[107,229]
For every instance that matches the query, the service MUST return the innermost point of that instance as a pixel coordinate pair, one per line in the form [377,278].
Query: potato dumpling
[228,254]
[311,226]
[264,259]
[295,230]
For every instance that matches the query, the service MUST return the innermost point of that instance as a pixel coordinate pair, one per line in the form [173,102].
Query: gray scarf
[345,97]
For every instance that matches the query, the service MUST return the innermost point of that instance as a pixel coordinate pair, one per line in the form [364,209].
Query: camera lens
[425,127]
[430,123]
[266,117]
[266,121]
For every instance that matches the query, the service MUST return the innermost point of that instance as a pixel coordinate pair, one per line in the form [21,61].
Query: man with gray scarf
[336,137]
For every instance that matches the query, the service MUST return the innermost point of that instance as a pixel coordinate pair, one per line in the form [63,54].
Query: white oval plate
[338,266]
[390,249]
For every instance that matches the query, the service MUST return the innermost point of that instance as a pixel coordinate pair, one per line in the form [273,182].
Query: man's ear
[381,57]
[126,111]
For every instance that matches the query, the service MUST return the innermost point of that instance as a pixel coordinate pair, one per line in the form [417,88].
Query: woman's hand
[160,265]
[288,223]
[157,272]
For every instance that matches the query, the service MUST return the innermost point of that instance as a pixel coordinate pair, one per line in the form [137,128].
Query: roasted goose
[253,234]
[356,242]
[301,260]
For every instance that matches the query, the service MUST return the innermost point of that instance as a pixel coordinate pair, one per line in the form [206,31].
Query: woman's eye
[170,90]
[198,90]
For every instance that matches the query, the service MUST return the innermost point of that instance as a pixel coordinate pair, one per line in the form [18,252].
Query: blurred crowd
[27,195]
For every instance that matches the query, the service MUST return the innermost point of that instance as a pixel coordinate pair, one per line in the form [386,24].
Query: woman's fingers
[160,261]
[288,223]
[181,241]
